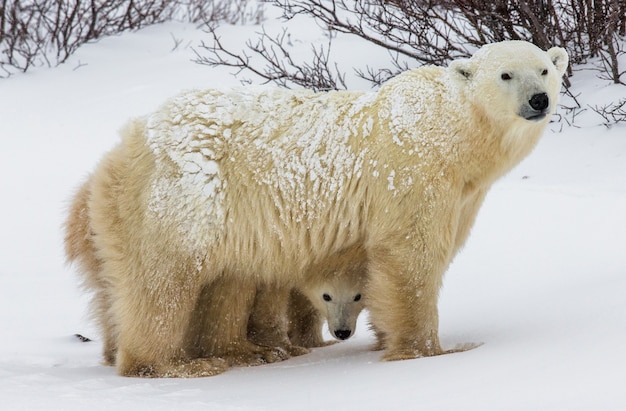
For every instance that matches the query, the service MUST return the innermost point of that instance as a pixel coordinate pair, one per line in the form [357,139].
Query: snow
[541,282]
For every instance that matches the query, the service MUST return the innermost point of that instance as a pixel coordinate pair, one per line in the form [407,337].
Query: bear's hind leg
[153,313]
[102,310]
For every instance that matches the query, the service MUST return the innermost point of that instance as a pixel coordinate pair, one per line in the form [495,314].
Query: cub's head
[512,80]
[336,289]
[340,301]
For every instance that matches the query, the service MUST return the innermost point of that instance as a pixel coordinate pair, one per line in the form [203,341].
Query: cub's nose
[343,334]
[539,101]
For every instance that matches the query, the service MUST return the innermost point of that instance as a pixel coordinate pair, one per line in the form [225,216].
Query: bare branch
[612,113]
[277,65]
[43,32]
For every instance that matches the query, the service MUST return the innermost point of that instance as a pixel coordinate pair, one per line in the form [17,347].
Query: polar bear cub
[293,318]
[337,299]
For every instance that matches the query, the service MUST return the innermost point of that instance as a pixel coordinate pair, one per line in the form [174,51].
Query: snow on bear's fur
[219,194]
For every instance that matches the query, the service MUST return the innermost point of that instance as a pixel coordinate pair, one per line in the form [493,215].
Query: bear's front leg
[402,301]
[269,322]
[305,322]
[219,324]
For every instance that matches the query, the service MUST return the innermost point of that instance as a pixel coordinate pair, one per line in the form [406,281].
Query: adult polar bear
[219,193]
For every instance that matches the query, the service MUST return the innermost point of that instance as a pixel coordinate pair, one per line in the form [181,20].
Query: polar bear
[217,193]
[333,292]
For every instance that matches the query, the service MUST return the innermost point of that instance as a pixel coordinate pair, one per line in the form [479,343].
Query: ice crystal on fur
[307,166]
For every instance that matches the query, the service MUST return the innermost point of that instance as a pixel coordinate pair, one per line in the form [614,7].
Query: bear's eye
[544,72]
[326,297]
[506,76]
[357,297]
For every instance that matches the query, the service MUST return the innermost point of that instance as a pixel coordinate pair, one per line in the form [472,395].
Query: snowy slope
[541,282]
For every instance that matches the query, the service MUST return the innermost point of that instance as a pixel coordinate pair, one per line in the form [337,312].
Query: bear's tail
[79,246]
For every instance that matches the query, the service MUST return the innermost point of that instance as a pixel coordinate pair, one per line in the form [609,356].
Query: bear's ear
[559,58]
[461,69]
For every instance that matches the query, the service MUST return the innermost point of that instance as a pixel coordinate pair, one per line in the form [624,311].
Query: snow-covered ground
[541,282]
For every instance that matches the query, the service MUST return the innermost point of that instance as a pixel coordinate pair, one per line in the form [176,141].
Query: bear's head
[512,80]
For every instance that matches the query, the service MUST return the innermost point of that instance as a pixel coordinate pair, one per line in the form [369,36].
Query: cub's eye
[544,72]
[357,297]
[326,297]
[506,76]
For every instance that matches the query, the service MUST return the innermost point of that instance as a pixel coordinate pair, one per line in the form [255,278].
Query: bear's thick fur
[217,194]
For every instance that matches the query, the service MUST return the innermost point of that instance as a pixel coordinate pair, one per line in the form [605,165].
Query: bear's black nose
[539,101]
[343,334]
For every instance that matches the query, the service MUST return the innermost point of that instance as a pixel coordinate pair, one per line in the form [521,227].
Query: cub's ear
[461,69]
[559,58]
